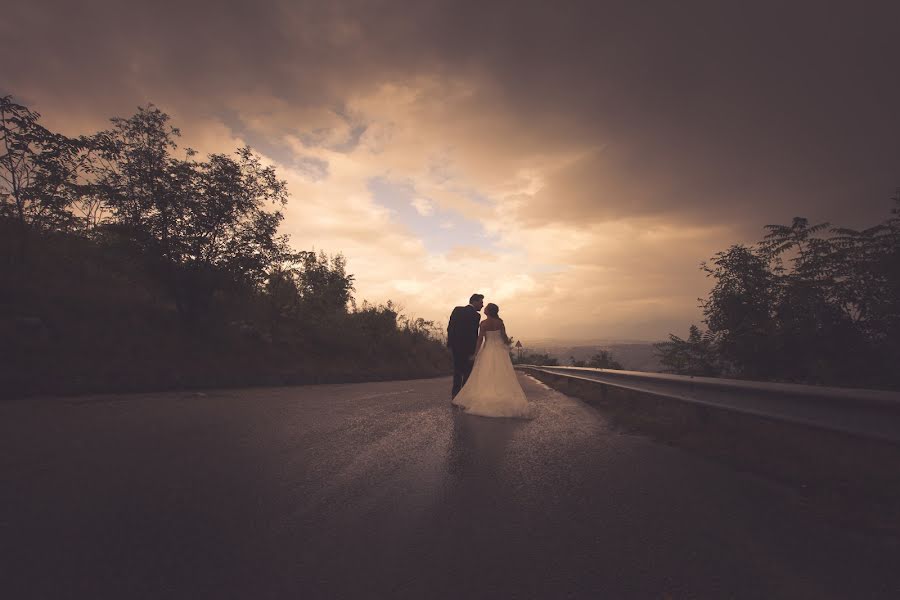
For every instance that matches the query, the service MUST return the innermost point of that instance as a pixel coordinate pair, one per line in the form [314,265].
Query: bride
[492,390]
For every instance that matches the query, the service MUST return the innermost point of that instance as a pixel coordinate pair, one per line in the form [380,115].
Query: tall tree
[740,310]
[809,303]
[205,224]
[37,171]
[868,277]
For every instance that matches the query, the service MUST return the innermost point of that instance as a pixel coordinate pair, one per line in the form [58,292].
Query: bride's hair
[492,310]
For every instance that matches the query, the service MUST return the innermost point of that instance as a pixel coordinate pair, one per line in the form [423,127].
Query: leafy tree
[809,303]
[38,170]
[282,293]
[205,234]
[695,355]
[825,300]
[375,324]
[798,236]
[869,276]
[740,310]
[603,360]
[420,328]
[132,167]
[324,284]
[203,225]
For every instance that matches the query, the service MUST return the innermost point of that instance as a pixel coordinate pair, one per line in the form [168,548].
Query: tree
[133,165]
[823,300]
[740,310]
[282,293]
[808,303]
[694,356]
[544,360]
[225,222]
[799,236]
[375,324]
[324,284]
[202,226]
[603,359]
[37,172]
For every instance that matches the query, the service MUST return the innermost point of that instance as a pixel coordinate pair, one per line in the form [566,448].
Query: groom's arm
[451,328]
[478,333]
[479,341]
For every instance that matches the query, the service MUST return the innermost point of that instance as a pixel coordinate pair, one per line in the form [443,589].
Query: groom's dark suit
[462,334]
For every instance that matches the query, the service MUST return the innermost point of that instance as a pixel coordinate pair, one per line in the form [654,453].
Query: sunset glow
[574,166]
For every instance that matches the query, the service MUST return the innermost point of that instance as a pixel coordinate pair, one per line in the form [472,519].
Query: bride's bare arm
[503,333]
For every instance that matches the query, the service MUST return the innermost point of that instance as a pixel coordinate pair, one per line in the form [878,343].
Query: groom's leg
[467,369]
[457,383]
[462,366]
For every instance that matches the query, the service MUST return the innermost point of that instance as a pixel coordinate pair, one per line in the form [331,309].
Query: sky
[572,161]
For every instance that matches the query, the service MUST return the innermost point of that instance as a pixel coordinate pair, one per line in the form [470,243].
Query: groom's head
[477,301]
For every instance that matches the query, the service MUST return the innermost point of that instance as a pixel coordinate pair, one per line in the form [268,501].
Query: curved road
[382,490]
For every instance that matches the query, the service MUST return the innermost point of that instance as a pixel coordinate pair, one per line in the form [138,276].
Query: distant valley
[634,356]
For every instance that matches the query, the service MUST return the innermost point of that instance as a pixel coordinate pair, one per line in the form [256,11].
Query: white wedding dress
[492,389]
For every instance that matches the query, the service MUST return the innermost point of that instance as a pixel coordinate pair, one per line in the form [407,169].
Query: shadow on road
[478,444]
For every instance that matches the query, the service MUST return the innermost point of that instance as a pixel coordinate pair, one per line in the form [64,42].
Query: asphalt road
[384,490]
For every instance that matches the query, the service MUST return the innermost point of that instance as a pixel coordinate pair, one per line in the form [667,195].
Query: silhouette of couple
[484,381]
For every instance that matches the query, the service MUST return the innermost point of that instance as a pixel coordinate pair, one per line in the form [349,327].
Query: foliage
[739,310]
[202,225]
[155,269]
[808,303]
[603,360]
[694,356]
[323,282]
[38,171]
[538,359]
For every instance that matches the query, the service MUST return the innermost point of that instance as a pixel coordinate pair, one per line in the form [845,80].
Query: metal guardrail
[868,413]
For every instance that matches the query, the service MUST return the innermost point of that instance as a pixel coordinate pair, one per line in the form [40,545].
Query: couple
[484,382]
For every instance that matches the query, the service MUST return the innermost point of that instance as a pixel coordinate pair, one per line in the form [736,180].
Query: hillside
[85,316]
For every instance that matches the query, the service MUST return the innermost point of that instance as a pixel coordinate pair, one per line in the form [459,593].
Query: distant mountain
[634,356]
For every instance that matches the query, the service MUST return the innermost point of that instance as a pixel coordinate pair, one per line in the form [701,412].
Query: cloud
[576,163]
[423,207]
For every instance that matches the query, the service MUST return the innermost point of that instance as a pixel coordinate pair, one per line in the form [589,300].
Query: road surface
[382,490]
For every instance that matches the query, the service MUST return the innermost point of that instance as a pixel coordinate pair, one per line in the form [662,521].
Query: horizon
[586,342]
[574,166]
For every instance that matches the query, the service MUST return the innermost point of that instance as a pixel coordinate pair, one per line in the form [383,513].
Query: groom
[462,334]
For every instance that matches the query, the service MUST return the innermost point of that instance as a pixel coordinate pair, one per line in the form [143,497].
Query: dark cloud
[315,169]
[705,111]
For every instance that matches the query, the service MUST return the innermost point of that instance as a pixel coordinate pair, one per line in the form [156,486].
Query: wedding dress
[492,389]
